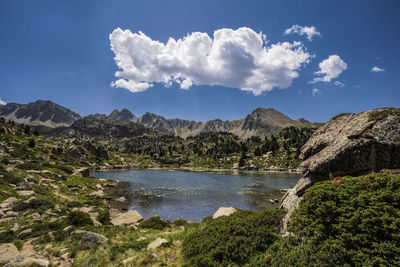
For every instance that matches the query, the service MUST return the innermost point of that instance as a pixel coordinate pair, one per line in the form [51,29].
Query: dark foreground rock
[349,144]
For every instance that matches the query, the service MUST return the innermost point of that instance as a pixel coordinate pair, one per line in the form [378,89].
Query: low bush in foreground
[232,240]
[349,220]
[79,218]
[155,223]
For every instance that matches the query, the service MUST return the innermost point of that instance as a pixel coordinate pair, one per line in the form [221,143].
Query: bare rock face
[349,144]
[354,144]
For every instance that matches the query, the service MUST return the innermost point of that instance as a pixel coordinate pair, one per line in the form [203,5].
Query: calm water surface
[195,195]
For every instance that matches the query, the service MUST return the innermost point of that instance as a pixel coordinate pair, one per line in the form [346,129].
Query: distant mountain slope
[39,113]
[95,128]
[261,122]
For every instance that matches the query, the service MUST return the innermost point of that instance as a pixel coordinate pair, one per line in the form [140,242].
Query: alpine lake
[193,195]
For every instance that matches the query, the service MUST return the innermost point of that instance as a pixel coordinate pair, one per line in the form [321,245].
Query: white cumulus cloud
[2,102]
[315,92]
[330,68]
[303,30]
[377,69]
[232,58]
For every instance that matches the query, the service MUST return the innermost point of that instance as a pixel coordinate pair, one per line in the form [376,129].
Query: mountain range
[50,117]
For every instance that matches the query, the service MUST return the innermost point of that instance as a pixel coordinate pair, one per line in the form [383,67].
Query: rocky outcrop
[349,144]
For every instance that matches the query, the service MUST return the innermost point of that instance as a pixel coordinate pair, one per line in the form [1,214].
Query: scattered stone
[15,227]
[77,232]
[141,238]
[65,256]
[7,252]
[98,193]
[35,215]
[130,217]
[28,259]
[11,214]
[25,193]
[157,243]
[84,172]
[25,233]
[271,201]
[93,239]
[9,202]
[128,260]
[68,228]
[177,243]
[224,211]
[121,199]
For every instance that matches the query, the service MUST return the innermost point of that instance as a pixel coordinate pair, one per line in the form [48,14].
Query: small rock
[77,232]
[128,260]
[156,243]
[7,252]
[25,193]
[35,215]
[98,193]
[271,201]
[68,228]
[25,233]
[92,239]
[65,256]
[15,227]
[141,238]
[224,211]
[121,199]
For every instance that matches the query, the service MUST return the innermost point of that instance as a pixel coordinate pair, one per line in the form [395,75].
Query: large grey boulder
[93,239]
[349,144]
[130,217]
[7,253]
[28,259]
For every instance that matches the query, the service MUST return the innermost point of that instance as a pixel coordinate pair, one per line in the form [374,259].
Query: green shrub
[104,217]
[353,221]
[31,143]
[232,240]
[74,204]
[33,204]
[79,218]
[10,178]
[29,166]
[180,222]
[155,223]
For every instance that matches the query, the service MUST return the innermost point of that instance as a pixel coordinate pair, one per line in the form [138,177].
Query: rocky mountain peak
[123,115]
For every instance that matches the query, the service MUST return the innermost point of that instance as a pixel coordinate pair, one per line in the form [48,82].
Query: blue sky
[60,50]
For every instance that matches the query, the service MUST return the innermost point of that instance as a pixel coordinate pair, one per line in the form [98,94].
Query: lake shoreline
[192,169]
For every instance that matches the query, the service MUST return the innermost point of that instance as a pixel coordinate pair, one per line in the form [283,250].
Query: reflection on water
[195,195]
